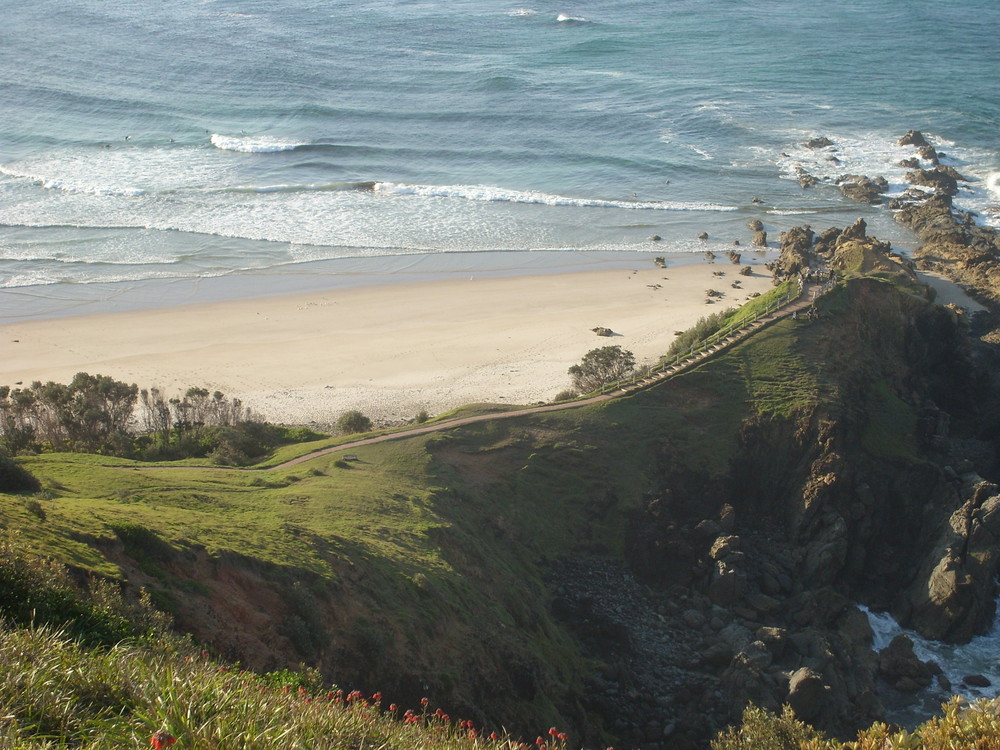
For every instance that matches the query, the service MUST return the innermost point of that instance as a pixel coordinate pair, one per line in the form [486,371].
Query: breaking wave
[258,144]
[492,194]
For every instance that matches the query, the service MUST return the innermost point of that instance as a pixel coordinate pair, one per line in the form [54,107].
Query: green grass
[779,380]
[890,431]
[56,693]
[758,305]
[245,512]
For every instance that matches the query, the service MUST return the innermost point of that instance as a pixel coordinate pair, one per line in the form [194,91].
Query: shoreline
[390,344]
[389,350]
[50,301]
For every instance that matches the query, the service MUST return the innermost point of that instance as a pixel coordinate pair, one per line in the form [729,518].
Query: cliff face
[873,493]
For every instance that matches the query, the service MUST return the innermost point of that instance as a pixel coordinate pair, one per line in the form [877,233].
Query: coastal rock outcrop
[938,179]
[900,667]
[805,179]
[954,244]
[819,142]
[863,189]
[913,138]
[953,596]
[796,256]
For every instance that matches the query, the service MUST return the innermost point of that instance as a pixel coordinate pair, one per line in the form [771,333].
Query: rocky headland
[638,573]
[953,242]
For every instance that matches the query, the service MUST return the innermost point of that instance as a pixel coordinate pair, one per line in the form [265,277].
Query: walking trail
[808,295]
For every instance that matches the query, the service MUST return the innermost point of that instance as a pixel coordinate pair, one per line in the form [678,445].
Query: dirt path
[809,294]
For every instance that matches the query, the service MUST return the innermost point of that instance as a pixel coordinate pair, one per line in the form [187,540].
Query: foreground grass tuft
[56,692]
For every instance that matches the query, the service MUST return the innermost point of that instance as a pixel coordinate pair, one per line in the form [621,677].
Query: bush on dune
[15,478]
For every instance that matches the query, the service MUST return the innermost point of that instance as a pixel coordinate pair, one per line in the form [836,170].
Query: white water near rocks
[980,656]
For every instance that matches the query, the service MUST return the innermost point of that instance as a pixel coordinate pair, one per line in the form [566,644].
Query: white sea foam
[567,18]
[70,184]
[487,193]
[978,656]
[125,171]
[993,186]
[878,154]
[257,144]
[522,12]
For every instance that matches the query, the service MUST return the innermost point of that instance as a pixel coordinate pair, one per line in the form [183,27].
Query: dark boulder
[913,138]
[900,667]
[938,179]
[807,693]
[863,189]
[927,153]
[976,680]
[821,142]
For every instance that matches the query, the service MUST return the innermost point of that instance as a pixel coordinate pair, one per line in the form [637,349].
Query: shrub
[421,416]
[35,508]
[698,332]
[762,730]
[598,367]
[39,591]
[353,421]
[15,478]
[566,395]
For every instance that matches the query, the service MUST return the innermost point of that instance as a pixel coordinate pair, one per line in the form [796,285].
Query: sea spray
[980,656]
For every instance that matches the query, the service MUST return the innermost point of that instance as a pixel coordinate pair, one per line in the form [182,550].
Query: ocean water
[201,139]
[977,657]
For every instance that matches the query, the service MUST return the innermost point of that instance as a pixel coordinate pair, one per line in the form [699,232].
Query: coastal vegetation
[688,340]
[599,367]
[353,421]
[98,414]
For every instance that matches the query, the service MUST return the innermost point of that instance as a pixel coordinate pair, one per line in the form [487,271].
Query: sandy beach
[389,351]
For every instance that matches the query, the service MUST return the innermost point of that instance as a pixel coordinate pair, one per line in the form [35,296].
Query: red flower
[161,738]
[424,701]
[553,731]
[377,696]
[393,707]
[493,735]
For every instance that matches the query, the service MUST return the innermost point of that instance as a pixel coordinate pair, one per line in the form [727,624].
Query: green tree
[353,421]
[598,367]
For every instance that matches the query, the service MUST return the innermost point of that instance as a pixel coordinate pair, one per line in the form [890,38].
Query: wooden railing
[677,361]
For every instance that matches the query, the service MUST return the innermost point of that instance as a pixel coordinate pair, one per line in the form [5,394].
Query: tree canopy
[598,367]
